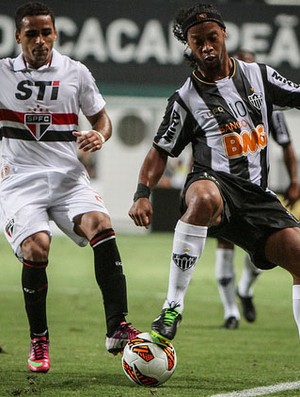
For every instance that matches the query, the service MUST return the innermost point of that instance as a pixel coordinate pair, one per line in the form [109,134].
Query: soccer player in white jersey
[41,95]
[225,273]
[224,110]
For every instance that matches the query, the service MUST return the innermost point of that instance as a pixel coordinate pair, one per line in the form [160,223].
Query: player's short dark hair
[188,17]
[32,8]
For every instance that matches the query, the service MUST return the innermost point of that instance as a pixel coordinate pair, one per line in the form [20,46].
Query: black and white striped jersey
[227,122]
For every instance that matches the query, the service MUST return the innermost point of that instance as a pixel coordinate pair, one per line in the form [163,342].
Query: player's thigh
[283,248]
[23,209]
[26,222]
[69,212]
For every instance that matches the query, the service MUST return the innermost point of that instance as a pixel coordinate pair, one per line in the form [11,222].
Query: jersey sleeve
[90,99]
[176,128]
[283,92]
[279,129]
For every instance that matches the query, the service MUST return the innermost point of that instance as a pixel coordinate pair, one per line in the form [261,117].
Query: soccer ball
[148,363]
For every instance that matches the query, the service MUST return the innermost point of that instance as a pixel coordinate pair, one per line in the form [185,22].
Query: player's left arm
[100,132]
[281,91]
[280,133]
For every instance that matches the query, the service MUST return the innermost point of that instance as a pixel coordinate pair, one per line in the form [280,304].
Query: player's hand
[292,195]
[88,141]
[141,212]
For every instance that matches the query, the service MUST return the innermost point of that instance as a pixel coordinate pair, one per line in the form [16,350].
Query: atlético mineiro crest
[256,99]
[37,123]
[184,261]
[9,227]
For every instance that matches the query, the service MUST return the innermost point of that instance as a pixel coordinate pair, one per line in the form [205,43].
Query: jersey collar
[20,65]
[198,76]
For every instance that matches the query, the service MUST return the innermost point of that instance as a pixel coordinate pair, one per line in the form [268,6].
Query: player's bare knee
[204,209]
[91,223]
[36,247]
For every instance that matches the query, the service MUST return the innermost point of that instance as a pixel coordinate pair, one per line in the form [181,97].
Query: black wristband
[142,191]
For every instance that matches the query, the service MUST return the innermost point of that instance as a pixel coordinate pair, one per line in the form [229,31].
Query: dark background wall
[129,45]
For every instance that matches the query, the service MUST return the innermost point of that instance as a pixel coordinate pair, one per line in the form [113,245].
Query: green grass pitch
[211,360]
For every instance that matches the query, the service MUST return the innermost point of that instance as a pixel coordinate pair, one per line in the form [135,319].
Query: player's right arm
[151,171]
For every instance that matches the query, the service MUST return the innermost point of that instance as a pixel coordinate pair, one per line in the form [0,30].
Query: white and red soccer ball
[148,363]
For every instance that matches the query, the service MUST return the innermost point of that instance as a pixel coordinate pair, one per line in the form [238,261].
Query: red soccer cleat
[39,360]
[123,334]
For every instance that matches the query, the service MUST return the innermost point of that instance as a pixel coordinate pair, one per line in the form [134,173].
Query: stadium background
[130,49]
[116,40]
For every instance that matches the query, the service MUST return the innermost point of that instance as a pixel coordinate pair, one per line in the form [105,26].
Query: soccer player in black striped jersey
[225,273]
[223,110]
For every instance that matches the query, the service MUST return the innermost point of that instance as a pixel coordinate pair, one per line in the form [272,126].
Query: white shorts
[30,200]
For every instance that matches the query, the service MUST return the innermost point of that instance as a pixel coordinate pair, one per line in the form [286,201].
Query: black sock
[35,286]
[110,278]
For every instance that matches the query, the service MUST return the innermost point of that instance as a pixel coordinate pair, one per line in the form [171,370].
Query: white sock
[188,244]
[226,281]
[296,305]
[249,275]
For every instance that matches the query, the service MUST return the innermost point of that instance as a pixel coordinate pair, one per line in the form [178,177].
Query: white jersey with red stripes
[39,110]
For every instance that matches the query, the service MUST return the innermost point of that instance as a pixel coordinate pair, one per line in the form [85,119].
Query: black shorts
[250,214]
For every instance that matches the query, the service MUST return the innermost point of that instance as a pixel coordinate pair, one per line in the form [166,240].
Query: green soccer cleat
[164,327]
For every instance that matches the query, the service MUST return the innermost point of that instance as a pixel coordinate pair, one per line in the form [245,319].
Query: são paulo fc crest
[9,227]
[37,123]
[256,99]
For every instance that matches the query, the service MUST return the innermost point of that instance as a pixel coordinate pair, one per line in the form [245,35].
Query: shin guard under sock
[225,276]
[188,244]
[110,278]
[35,287]
[296,305]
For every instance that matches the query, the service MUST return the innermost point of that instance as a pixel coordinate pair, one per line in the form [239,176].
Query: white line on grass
[262,391]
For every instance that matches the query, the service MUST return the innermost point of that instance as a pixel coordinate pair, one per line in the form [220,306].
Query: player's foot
[124,333]
[164,327]
[231,323]
[39,360]
[249,311]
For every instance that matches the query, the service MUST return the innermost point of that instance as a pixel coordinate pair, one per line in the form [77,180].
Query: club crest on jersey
[4,171]
[37,123]
[185,261]
[9,227]
[256,99]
